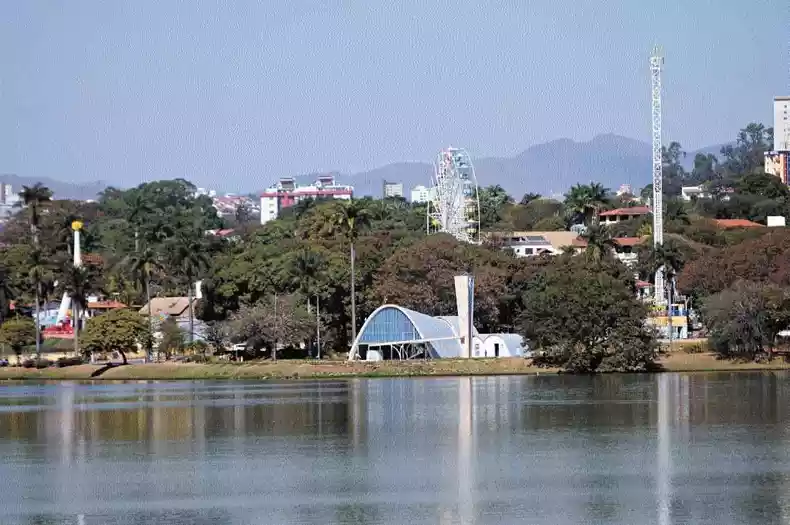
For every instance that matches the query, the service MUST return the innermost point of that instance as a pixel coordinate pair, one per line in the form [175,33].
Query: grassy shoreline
[287,369]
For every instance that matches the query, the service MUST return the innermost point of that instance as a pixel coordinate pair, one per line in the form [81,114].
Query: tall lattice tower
[656,63]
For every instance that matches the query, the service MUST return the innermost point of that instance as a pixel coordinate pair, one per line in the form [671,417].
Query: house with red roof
[622,214]
[625,249]
[729,224]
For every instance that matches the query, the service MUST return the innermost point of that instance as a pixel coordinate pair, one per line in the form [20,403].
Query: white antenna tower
[656,61]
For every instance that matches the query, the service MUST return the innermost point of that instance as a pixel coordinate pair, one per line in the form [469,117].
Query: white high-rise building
[392,189]
[421,194]
[781,123]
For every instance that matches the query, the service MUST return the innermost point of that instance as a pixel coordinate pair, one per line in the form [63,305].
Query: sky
[234,95]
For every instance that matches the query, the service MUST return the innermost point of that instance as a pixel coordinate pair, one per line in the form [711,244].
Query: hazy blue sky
[241,92]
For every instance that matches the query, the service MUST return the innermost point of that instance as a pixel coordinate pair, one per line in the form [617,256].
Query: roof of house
[106,305]
[173,306]
[629,241]
[636,210]
[557,239]
[737,223]
[92,258]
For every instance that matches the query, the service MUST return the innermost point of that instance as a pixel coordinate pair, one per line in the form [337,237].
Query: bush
[36,363]
[197,347]
[695,348]
[69,361]
[197,358]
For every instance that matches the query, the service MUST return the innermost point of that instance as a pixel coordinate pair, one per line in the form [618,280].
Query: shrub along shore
[302,369]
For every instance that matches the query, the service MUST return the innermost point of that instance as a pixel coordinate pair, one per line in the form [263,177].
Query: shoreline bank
[288,369]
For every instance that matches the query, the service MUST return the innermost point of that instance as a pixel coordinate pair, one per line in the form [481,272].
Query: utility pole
[318,327]
[656,62]
[276,333]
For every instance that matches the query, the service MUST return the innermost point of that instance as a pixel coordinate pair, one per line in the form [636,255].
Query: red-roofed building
[622,214]
[287,193]
[737,223]
[93,259]
[626,249]
[228,233]
[105,305]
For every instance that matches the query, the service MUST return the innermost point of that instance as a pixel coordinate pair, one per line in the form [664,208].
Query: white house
[527,244]
[498,345]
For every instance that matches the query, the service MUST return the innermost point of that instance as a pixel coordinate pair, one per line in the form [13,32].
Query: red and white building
[287,193]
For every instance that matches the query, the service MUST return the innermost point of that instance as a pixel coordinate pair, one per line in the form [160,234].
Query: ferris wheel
[454,206]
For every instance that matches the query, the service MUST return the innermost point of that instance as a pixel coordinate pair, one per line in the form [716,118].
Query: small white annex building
[394,332]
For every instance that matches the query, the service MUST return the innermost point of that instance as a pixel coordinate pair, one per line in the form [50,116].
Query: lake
[621,449]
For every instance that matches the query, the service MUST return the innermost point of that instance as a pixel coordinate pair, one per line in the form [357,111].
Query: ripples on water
[557,450]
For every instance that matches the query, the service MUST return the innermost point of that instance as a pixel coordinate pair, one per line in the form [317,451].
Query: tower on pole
[656,63]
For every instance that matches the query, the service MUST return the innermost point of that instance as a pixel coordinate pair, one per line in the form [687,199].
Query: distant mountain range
[549,169]
[60,189]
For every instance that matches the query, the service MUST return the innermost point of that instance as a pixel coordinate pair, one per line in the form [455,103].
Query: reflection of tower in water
[663,474]
[672,413]
[465,447]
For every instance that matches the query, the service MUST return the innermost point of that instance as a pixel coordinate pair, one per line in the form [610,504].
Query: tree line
[324,265]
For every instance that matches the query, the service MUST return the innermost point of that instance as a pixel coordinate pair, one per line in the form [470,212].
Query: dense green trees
[152,236]
[585,317]
[745,319]
[353,256]
[18,333]
[116,331]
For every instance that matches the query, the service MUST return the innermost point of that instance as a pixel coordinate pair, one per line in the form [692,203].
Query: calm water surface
[665,449]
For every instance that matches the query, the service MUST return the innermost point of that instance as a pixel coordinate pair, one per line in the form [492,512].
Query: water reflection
[617,449]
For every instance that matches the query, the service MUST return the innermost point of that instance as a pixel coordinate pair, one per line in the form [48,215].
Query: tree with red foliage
[763,259]
[420,277]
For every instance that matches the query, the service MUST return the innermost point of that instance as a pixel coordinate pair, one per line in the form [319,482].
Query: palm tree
[34,198]
[64,233]
[351,218]
[142,265]
[529,197]
[666,256]
[188,259]
[243,213]
[599,243]
[7,293]
[306,273]
[675,210]
[139,207]
[78,282]
[585,200]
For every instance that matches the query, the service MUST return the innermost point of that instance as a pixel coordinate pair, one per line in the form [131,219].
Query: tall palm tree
[138,207]
[666,256]
[243,213]
[64,234]
[34,198]
[142,265]
[585,200]
[7,293]
[599,243]
[675,210]
[78,282]
[306,273]
[188,259]
[351,218]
